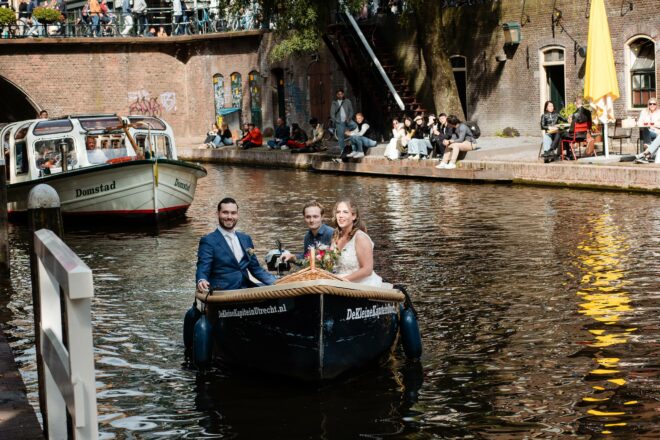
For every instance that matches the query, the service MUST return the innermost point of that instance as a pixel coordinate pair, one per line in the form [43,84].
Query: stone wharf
[95,189]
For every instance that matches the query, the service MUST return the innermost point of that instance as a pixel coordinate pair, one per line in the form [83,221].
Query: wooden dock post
[43,213]
[4,234]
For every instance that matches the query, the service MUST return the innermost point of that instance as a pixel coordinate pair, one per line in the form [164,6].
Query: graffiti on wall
[219,94]
[236,90]
[254,85]
[296,94]
[141,102]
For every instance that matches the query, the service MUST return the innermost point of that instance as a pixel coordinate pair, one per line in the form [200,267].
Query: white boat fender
[202,346]
[189,321]
[411,338]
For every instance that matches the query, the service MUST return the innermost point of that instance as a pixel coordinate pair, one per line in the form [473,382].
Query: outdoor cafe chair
[580,130]
[619,133]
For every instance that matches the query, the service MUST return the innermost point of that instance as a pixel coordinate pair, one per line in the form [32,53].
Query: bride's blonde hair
[358,224]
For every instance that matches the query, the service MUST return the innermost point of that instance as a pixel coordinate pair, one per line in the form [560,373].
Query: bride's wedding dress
[348,263]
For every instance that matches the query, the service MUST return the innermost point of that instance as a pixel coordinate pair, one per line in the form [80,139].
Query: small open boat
[310,325]
[104,166]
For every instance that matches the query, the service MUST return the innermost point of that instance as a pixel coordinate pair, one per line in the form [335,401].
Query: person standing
[341,112]
[225,257]
[140,11]
[318,234]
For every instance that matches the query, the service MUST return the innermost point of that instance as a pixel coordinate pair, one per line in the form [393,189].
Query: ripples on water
[538,309]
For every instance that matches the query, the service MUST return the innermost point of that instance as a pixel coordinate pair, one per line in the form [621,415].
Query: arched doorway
[459,68]
[14,104]
[553,84]
[219,96]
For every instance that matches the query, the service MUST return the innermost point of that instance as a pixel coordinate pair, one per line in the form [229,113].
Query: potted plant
[7,17]
[47,15]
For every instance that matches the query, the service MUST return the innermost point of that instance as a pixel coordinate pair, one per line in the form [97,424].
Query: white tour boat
[100,165]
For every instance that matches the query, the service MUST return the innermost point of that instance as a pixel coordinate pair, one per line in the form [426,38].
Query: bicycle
[201,22]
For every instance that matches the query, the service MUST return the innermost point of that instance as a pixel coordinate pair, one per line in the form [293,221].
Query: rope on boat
[325,287]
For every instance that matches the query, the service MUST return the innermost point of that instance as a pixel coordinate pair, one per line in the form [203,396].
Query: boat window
[103,123]
[20,150]
[114,147]
[161,145]
[20,154]
[48,156]
[53,127]
[155,124]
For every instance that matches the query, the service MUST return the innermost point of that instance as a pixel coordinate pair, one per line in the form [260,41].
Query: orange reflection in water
[602,290]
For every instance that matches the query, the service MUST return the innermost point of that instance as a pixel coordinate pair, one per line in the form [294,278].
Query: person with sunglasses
[649,121]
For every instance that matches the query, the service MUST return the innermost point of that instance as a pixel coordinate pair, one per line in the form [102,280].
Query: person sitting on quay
[282,135]
[315,141]
[420,144]
[252,139]
[581,116]
[319,234]
[649,121]
[217,138]
[441,132]
[394,146]
[161,32]
[298,138]
[462,140]
[361,138]
[549,119]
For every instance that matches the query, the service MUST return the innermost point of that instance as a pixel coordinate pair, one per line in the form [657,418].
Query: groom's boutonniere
[250,251]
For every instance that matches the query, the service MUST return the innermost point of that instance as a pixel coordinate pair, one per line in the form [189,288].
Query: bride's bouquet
[325,257]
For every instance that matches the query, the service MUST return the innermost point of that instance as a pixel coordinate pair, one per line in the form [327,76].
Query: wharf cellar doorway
[459,67]
[553,83]
[14,104]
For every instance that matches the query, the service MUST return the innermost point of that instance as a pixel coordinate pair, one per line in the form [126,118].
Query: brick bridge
[169,77]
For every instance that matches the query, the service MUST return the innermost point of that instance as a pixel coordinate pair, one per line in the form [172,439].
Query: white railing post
[69,370]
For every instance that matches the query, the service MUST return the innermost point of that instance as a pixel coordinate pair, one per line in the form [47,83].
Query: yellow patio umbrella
[601,87]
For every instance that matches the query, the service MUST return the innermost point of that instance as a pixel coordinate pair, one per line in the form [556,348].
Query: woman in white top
[356,261]
[398,133]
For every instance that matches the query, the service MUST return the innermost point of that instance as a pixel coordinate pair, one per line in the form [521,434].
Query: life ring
[121,159]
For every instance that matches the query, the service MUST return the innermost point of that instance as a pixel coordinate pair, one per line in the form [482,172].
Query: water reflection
[602,264]
[260,407]
[535,305]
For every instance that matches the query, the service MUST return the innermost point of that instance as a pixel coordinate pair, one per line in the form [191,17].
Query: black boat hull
[309,337]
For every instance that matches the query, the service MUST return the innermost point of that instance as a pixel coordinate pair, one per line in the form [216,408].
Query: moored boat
[100,165]
[310,326]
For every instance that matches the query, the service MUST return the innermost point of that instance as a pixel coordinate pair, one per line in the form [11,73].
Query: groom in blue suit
[225,255]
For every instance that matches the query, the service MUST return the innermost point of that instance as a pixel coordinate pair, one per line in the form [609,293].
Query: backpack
[474,128]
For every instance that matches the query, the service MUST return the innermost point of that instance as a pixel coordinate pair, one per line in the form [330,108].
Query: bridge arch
[15,104]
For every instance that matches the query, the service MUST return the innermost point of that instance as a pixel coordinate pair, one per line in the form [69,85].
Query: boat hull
[309,337]
[135,190]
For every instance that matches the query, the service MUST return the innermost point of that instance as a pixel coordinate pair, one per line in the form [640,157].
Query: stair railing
[374,59]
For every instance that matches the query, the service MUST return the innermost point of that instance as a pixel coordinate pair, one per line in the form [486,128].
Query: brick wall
[172,78]
[508,94]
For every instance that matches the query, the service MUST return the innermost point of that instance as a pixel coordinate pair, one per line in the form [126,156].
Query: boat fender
[189,321]
[202,343]
[203,339]
[411,338]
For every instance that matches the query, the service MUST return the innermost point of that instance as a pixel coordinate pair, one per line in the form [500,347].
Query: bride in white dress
[356,261]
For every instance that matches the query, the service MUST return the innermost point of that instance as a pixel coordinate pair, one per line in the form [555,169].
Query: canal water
[537,306]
